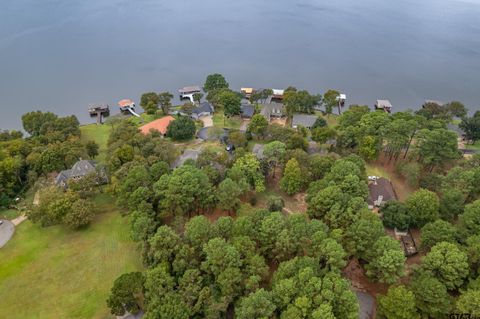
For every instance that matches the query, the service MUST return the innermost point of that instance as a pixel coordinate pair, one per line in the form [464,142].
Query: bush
[181,129]
[275,203]
[81,214]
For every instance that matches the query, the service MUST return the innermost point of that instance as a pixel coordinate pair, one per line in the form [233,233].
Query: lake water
[62,55]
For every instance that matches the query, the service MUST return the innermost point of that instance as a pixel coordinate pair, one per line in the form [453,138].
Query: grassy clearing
[99,134]
[143,119]
[9,214]
[475,146]
[219,120]
[58,273]
[375,170]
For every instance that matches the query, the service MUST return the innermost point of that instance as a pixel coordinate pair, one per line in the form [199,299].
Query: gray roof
[204,107]
[383,104]
[272,109]
[79,169]
[247,110]
[304,120]
[381,187]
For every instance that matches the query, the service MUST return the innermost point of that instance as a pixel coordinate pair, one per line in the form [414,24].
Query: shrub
[275,203]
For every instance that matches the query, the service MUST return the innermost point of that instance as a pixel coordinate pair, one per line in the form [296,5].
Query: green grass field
[230,122]
[99,134]
[58,273]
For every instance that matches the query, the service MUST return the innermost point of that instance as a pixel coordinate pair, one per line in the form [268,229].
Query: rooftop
[190,89]
[125,103]
[203,107]
[304,120]
[383,104]
[247,110]
[157,125]
[381,187]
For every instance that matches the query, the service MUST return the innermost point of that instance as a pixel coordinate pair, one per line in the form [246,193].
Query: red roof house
[157,125]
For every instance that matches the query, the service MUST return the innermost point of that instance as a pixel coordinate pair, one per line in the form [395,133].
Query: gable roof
[381,187]
[157,125]
[189,89]
[79,169]
[304,120]
[204,107]
[270,109]
[247,110]
[384,104]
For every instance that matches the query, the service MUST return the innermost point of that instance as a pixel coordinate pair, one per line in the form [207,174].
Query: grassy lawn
[9,214]
[475,146]
[144,118]
[230,122]
[58,273]
[375,170]
[402,189]
[99,134]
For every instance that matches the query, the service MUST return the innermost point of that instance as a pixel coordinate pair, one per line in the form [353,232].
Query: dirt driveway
[207,120]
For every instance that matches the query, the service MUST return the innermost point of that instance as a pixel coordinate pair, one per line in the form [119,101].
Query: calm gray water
[61,55]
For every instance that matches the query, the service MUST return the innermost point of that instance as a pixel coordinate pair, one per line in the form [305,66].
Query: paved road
[367,305]
[6,231]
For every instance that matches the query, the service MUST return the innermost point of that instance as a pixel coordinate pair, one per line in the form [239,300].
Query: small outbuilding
[380,191]
[247,110]
[305,120]
[159,125]
[384,105]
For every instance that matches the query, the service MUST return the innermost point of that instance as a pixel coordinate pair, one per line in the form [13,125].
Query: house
[258,150]
[383,105]
[270,110]
[247,110]
[159,125]
[380,191]
[204,109]
[247,92]
[79,170]
[304,120]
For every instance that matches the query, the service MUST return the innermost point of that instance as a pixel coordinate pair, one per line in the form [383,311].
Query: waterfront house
[247,92]
[159,125]
[79,170]
[305,120]
[204,109]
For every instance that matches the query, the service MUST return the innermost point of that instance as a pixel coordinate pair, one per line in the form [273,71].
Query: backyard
[99,134]
[58,273]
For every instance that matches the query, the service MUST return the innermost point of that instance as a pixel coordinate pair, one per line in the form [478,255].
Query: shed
[380,192]
[383,105]
[304,120]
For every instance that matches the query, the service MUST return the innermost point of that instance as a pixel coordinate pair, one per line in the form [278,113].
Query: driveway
[207,120]
[244,125]
[367,305]
[6,231]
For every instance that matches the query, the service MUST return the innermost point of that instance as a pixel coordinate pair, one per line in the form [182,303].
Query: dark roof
[381,187]
[247,110]
[304,120]
[204,107]
[79,169]
[269,109]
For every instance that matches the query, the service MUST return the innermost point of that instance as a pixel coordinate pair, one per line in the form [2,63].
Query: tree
[469,302]
[452,203]
[395,215]
[92,149]
[432,153]
[275,203]
[436,232]
[319,122]
[187,108]
[237,138]
[258,125]
[363,233]
[215,82]
[398,303]
[149,102]
[320,166]
[431,296]
[448,263]
[469,221]
[471,127]
[256,305]
[228,193]
[34,121]
[299,101]
[422,207]
[297,141]
[230,102]
[330,100]
[368,148]
[275,153]
[291,181]
[81,214]
[456,109]
[127,294]
[165,101]
[197,97]
[182,128]
[323,134]
[248,167]
[387,260]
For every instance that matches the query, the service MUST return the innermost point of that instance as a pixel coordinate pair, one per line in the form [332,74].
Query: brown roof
[381,187]
[158,125]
